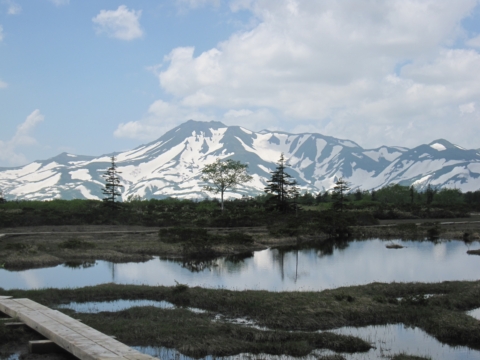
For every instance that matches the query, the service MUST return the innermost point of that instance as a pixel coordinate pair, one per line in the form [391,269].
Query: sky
[94,77]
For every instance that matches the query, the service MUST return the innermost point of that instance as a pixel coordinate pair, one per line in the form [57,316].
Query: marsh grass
[441,313]
[11,338]
[35,248]
[75,243]
[404,356]
[197,335]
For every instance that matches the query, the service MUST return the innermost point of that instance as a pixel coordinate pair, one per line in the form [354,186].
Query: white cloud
[60,2]
[9,151]
[161,117]
[3,84]
[1,33]
[467,108]
[474,42]
[122,23]
[12,7]
[369,70]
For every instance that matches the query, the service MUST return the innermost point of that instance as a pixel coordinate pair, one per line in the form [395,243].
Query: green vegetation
[394,202]
[112,185]
[282,189]
[76,244]
[200,230]
[223,175]
[409,357]
[11,338]
[289,317]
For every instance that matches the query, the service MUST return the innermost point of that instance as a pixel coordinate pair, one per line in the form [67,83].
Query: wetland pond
[308,267]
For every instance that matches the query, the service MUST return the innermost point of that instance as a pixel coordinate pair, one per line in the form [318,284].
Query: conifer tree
[282,186]
[339,195]
[112,184]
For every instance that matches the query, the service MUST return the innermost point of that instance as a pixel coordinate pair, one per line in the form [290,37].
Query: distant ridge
[171,165]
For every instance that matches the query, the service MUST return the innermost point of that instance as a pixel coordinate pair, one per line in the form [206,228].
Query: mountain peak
[442,144]
[171,165]
[192,124]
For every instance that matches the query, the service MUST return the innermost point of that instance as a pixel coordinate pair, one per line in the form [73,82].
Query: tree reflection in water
[80,264]
[230,263]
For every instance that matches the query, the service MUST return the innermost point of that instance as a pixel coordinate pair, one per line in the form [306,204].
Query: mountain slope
[171,165]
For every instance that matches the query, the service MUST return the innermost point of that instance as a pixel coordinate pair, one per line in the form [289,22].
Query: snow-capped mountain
[171,165]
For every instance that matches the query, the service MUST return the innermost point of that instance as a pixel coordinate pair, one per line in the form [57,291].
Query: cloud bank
[377,72]
[9,150]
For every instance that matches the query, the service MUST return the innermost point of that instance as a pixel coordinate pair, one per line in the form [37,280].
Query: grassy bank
[441,315]
[42,246]
[24,248]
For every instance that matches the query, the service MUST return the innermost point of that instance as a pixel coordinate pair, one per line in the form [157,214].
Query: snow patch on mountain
[382,152]
[269,146]
[86,193]
[474,167]
[36,186]
[422,180]
[171,165]
[80,174]
[321,144]
[438,147]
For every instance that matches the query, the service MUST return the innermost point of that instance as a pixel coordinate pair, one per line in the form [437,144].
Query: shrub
[76,244]
[433,232]
[182,234]
[239,238]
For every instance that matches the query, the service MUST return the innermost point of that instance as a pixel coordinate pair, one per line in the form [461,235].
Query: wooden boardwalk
[70,334]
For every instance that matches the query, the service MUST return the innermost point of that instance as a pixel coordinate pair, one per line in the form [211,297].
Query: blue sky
[93,77]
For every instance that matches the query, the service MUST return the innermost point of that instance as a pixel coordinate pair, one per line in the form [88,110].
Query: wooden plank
[14,324]
[77,338]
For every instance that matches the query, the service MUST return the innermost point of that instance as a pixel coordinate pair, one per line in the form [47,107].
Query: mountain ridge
[171,165]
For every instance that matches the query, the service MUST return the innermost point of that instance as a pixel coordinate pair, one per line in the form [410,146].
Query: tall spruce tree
[112,184]
[282,186]
[339,193]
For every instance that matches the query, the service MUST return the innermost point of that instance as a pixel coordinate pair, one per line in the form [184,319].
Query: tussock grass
[441,315]
[198,335]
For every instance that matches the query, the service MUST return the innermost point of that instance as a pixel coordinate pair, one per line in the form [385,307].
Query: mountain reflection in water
[309,266]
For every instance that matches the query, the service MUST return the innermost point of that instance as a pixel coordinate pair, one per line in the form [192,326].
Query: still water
[387,340]
[307,268]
